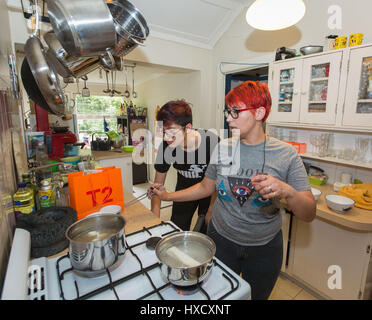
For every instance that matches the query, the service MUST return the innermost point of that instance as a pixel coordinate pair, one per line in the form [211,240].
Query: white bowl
[316,193]
[339,204]
[111,209]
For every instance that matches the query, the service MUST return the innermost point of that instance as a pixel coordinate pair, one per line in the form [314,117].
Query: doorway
[234,79]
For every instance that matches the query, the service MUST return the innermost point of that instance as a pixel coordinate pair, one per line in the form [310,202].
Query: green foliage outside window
[90,113]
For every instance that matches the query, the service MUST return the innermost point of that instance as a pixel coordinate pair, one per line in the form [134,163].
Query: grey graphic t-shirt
[240,214]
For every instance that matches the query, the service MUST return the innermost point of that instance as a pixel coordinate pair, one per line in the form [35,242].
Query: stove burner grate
[233,282]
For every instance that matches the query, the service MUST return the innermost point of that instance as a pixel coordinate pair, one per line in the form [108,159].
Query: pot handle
[107,63]
[137,42]
[36,9]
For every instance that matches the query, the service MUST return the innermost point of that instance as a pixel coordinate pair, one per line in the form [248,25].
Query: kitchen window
[91,113]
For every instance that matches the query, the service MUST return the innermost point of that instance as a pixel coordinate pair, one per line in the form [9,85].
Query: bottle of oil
[23,200]
[46,195]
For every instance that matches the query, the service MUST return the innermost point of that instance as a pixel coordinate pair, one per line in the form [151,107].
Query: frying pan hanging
[44,75]
[31,86]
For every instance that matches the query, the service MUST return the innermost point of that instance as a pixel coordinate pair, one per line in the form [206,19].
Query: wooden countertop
[137,215]
[102,155]
[356,218]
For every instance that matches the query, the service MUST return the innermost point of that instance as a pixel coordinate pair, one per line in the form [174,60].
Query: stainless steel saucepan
[84,27]
[97,243]
[64,63]
[44,74]
[186,257]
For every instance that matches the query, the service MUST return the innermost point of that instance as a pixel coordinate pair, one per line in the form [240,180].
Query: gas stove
[137,277]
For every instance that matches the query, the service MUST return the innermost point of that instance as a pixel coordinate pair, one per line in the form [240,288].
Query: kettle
[100,144]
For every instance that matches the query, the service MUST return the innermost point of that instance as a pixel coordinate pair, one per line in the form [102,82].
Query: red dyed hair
[253,94]
[178,111]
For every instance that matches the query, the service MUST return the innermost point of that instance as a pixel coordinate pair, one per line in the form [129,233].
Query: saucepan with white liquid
[186,257]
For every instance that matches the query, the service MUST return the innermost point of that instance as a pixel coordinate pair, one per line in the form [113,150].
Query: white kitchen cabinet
[305,89]
[320,249]
[358,99]
[285,90]
[319,88]
[125,164]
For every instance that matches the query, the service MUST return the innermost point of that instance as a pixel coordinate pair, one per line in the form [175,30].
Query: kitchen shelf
[319,79]
[313,126]
[337,161]
[286,82]
[365,101]
[317,102]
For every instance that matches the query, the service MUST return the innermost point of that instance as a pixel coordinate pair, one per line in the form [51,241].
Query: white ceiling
[195,22]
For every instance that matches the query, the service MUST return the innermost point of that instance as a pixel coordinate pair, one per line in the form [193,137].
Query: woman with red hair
[251,173]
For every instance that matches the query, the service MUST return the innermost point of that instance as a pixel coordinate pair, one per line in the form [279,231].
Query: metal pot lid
[45,76]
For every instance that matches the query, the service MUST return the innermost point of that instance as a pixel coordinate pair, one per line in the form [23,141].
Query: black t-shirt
[190,166]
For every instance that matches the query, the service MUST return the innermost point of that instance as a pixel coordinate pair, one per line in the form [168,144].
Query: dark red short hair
[178,111]
[253,94]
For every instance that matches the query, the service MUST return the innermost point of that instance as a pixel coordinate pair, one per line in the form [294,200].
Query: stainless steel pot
[97,243]
[84,27]
[186,257]
[65,64]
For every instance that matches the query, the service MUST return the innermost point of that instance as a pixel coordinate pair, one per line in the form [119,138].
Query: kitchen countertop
[102,155]
[137,215]
[355,218]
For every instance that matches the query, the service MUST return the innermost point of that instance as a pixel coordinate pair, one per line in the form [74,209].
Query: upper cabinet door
[358,99]
[285,91]
[319,90]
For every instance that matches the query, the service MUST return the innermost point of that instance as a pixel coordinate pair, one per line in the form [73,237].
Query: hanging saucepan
[44,75]
[68,66]
[65,64]
[31,86]
[83,27]
[130,26]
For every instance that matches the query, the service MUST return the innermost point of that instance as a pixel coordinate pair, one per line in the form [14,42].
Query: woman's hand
[159,190]
[269,187]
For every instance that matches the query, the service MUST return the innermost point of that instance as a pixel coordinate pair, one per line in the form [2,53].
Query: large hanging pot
[64,63]
[83,27]
[44,75]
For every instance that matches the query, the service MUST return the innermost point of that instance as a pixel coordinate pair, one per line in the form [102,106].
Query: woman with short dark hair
[189,151]
[246,220]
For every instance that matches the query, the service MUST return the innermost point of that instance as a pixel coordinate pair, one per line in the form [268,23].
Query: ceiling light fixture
[275,14]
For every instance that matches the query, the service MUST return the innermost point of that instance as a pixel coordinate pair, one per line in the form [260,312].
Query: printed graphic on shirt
[241,188]
[195,171]
[261,202]
[222,192]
